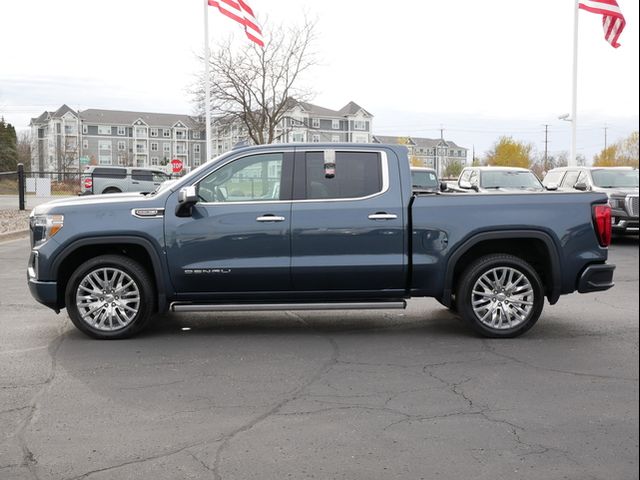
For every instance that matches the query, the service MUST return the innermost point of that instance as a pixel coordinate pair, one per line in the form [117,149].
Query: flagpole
[574,92]
[207,86]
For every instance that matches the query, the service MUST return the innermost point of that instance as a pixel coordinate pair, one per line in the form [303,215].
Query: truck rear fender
[536,247]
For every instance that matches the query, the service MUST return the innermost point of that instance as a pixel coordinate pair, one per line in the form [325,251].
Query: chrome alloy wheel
[502,298]
[107,299]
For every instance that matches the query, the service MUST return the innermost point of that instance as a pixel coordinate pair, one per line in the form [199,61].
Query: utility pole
[546,142]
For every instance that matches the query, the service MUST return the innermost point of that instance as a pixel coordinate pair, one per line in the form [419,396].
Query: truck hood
[134,199]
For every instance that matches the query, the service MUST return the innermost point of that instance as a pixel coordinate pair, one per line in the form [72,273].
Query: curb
[8,237]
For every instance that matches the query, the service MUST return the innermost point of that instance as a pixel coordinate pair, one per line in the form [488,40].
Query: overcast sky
[478,69]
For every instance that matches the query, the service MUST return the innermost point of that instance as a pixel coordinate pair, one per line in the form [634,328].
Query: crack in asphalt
[492,350]
[293,395]
[28,458]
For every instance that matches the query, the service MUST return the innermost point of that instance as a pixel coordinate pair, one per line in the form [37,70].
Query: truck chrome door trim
[385,183]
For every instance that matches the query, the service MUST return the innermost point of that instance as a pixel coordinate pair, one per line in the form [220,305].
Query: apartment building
[435,153]
[66,140]
[302,122]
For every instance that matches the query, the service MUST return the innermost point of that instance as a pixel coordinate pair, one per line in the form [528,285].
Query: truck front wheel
[109,297]
[500,296]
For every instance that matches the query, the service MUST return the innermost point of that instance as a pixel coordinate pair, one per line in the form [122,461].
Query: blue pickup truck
[314,226]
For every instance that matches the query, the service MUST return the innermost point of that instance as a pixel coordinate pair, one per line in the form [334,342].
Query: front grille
[632,205]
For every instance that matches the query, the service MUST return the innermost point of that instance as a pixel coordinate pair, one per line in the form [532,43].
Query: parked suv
[425,179]
[499,179]
[97,179]
[619,183]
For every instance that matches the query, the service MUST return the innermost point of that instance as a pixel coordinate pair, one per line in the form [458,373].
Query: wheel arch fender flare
[158,272]
[469,243]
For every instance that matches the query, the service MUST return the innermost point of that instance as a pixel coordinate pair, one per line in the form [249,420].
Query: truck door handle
[383,216]
[270,218]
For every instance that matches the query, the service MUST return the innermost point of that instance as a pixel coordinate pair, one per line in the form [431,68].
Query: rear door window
[357,175]
[110,172]
[142,175]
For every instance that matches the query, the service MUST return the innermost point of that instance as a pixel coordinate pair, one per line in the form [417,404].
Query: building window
[141,131]
[104,130]
[70,130]
[141,148]
[297,137]
[335,138]
[335,124]
[315,123]
[85,144]
[359,125]
[121,159]
[166,133]
[166,148]
[104,145]
[122,146]
[196,149]
[85,129]
[196,161]
[154,160]
[104,159]
[361,139]
[154,145]
[154,132]
[122,130]
[315,138]
[181,134]
[196,134]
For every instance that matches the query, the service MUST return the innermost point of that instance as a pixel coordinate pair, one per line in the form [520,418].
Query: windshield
[424,179]
[610,178]
[510,179]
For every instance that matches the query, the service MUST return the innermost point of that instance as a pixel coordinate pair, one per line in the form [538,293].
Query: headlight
[616,203]
[43,227]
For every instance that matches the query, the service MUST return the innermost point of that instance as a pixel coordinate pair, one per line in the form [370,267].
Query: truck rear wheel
[500,295]
[109,297]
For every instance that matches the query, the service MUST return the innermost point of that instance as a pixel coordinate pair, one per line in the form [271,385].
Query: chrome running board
[264,307]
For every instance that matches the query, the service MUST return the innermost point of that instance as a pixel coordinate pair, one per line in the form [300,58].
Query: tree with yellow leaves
[507,152]
[620,154]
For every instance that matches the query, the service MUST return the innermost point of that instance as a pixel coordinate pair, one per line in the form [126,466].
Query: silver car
[104,179]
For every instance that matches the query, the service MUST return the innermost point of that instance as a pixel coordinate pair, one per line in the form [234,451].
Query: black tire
[141,297]
[504,304]
[112,190]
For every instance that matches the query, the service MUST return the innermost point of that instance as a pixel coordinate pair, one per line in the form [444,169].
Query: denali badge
[205,271]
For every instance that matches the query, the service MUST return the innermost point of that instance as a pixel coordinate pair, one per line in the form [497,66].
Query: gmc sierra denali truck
[314,226]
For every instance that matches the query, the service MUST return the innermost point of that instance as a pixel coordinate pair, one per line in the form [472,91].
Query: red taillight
[88,183]
[602,223]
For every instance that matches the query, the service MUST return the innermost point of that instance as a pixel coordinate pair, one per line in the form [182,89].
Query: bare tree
[255,86]
[23,145]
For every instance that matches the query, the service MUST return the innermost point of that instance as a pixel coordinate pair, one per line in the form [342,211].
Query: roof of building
[350,108]
[415,141]
[122,117]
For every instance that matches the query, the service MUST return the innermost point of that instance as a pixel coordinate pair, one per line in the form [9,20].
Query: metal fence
[28,189]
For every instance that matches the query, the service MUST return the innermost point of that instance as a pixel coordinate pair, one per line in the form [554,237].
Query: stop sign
[176,165]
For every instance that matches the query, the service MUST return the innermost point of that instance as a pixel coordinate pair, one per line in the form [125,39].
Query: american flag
[241,12]
[612,20]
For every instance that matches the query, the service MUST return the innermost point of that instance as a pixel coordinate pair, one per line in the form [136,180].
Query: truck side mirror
[187,197]
[466,184]
[444,187]
[552,187]
[583,187]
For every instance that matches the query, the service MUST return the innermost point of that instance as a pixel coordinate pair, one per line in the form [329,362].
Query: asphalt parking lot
[322,395]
